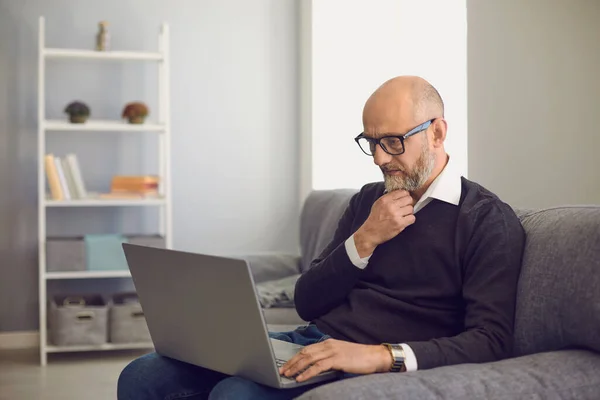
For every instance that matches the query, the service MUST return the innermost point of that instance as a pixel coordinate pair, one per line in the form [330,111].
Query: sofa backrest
[319,219]
[558,297]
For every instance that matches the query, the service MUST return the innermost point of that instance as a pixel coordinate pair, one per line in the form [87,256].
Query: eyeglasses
[393,145]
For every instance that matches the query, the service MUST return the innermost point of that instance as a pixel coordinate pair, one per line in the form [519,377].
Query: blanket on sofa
[277,293]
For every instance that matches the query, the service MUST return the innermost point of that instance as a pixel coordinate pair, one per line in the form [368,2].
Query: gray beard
[413,180]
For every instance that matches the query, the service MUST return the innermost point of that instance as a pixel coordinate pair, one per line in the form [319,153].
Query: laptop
[204,310]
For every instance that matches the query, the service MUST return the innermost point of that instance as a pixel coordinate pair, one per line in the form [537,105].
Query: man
[422,270]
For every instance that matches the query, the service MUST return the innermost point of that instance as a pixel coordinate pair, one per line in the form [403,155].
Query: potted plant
[78,112]
[135,112]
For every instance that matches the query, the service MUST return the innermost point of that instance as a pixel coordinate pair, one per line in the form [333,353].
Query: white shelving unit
[46,127]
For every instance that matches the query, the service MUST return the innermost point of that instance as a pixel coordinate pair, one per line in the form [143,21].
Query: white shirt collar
[446,187]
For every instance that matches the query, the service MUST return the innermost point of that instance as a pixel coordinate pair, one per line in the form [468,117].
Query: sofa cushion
[558,297]
[272,266]
[321,213]
[283,316]
[555,375]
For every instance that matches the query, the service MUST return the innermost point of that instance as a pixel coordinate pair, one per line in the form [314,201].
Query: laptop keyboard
[280,363]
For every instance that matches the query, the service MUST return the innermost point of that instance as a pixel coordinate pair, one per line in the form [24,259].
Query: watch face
[398,353]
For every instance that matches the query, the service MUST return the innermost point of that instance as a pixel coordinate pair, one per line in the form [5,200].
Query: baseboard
[19,340]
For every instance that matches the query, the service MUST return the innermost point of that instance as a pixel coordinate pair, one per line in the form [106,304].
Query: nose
[380,157]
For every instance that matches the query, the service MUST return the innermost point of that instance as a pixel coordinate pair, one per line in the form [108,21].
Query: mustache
[387,168]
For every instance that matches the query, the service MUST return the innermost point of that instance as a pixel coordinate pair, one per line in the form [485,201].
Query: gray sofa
[557,323]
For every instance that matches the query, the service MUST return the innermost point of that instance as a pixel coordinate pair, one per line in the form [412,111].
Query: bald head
[404,100]
[395,108]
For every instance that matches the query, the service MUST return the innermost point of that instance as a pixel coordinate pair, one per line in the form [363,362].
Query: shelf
[101,347]
[105,203]
[88,274]
[102,55]
[102,125]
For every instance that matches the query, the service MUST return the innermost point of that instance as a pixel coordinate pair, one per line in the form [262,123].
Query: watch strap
[398,357]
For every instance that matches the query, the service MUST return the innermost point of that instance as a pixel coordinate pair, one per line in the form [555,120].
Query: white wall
[349,48]
[533,100]
[233,80]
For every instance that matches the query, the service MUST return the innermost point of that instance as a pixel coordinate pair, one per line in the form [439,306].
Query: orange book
[135,179]
[53,179]
[135,187]
[140,184]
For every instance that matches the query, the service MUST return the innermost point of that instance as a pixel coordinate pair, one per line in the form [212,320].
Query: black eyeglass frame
[402,138]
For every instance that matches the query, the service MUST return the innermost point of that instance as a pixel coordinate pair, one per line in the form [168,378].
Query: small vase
[136,120]
[78,119]
[102,37]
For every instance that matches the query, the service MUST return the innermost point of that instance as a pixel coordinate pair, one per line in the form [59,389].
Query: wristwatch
[398,357]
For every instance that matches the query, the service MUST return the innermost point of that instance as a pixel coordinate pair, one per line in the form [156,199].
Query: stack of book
[64,177]
[132,186]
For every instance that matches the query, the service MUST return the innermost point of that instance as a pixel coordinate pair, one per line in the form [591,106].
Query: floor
[68,376]
[90,376]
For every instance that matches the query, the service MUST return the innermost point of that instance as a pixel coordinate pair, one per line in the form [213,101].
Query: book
[53,178]
[136,178]
[62,178]
[142,184]
[69,177]
[77,177]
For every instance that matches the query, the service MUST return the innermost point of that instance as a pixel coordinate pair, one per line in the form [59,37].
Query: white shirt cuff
[353,254]
[410,362]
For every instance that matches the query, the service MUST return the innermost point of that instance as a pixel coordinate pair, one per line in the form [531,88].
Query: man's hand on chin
[338,355]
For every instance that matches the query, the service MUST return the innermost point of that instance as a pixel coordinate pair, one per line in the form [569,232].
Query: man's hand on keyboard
[338,355]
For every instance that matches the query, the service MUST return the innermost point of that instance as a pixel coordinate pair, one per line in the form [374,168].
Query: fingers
[407,210]
[399,206]
[410,219]
[404,201]
[397,198]
[291,364]
[308,355]
[397,194]
[316,369]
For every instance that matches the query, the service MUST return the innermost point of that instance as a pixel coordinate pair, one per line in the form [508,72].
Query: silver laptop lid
[203,310]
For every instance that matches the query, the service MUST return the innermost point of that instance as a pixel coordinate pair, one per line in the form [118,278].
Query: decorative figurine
[135,112]
[103,37]
[78,112]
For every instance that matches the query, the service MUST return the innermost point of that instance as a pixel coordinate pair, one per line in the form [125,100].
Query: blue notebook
[104,252]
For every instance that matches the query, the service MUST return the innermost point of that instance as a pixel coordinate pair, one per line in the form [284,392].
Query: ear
[439,128]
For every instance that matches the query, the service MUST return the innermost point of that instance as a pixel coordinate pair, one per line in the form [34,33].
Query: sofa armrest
[571,374]
[272,266]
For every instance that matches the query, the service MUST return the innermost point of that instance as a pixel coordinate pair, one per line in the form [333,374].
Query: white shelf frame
[106,202]
[101,126]
[54,53]
[162,127]
[99,347]
[88,274]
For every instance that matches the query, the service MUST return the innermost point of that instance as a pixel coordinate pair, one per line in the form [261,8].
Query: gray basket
[126,320]
[78,320]
[147,240]
[65,254]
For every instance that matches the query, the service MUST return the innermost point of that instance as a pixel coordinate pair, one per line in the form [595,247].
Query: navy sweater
[446,285]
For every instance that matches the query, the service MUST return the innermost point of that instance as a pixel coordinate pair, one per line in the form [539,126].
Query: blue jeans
[155,377]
